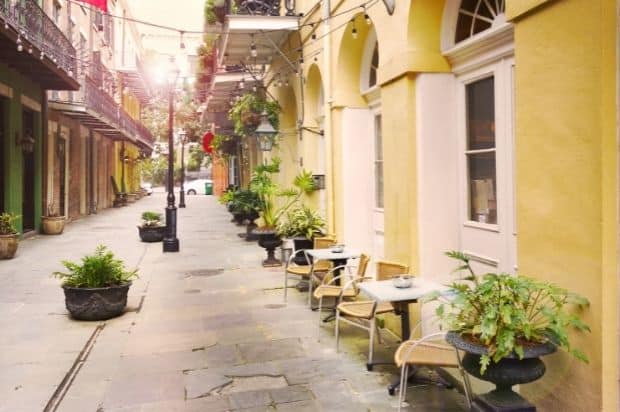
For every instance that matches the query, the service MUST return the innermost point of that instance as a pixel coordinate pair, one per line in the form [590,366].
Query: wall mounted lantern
[265,133]
[26,142]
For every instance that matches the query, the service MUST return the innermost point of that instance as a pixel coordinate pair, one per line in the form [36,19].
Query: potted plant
[262,183]
[97,288]
[247,111]
[301,225]
[152,229]
[245,206]
[53,223]
[9,237]
[504,323]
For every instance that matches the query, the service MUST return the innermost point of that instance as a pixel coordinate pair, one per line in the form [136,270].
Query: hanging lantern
[265,133]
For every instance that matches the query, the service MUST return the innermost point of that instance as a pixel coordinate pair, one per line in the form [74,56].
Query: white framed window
[370,63]
[378,162]
[480,150]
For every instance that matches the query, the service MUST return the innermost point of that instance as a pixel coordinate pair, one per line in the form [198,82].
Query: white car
[197,186]
[148,188]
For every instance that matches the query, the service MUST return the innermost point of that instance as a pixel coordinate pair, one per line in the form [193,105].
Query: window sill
[484,226]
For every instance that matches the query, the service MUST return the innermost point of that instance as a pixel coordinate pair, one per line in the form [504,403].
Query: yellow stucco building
[486,126]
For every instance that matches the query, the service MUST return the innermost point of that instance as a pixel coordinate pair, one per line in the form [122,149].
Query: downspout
[329,164]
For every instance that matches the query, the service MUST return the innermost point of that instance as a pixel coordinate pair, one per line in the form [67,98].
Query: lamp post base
[171,245]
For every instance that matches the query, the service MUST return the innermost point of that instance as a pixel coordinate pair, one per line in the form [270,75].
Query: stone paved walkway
[206,330]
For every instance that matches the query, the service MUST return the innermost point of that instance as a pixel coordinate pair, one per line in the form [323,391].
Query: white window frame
[369,47]
[377,114]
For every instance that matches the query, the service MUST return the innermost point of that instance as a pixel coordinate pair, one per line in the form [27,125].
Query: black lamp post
[171,243]
[182,136]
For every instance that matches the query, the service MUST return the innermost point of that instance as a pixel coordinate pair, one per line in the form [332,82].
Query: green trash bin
[208,188]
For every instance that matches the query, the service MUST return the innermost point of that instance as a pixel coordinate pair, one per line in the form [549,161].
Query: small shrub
[101,269]
[151,219]
[7,223]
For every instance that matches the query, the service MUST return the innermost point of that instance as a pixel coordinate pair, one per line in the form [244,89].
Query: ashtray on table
[337,248]
[402,281]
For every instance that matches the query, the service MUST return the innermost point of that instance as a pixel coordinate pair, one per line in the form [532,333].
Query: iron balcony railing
[96,100]
[35,28]
[259,7]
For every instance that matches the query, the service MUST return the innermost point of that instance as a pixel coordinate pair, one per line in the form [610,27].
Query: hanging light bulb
[301,60]
[313,36]
[30,49]
[182,45]
[253,51]
[42,55]
[353,30]
[19,44]
[6,25]
[242,83]
[254,89]
[367,18]
[70,73]
[286,83]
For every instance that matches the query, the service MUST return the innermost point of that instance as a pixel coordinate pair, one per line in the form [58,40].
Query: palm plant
[263,184]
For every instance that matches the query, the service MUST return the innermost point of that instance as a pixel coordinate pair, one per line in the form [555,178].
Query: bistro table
[385,291]
[338,258]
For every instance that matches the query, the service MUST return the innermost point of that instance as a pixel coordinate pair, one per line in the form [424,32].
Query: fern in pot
[96,288]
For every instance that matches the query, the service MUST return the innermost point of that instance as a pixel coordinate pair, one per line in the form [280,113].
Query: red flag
[100,4]
[206,142]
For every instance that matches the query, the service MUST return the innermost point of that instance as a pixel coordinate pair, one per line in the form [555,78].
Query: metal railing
[35,28]
[254,7]
[108,111]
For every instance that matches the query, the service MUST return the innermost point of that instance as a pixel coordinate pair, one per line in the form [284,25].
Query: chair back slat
[363,264]
[387,270]
[324,242]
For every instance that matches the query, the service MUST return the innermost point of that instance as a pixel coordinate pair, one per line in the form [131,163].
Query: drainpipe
[328,135]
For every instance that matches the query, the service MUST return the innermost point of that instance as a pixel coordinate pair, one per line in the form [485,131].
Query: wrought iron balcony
[254,7]
[34,33]
[96,109]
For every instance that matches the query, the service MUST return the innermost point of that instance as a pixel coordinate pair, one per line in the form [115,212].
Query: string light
[242,83]
[366,17]
[253,51]
[42,55]
[182,45]
[354,30]
[19,44]
[30,49]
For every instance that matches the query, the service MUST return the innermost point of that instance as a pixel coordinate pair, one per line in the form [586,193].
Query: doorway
[2,162]
[28,183]
[60,174]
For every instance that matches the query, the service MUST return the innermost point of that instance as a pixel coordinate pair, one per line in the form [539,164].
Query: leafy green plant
[101,269]
[268,191]
[246,113]
[506,312]
[302,222]
[7,223]
[151,219]
[245,202]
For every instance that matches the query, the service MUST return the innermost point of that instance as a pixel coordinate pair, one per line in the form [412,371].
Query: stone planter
[8,246]
[96,303]
[268,239]
[52,225]
[504,374]
[151,233]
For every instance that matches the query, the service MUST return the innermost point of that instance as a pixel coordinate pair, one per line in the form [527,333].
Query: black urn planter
[504,374]
[269,239]
[250,235]
[96,303]
[151,233]
[302,243]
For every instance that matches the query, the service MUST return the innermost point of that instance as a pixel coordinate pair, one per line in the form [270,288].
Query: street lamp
[265,133]
[182,136]
[171,243]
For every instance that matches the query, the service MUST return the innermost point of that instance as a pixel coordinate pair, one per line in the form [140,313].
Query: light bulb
[42,55]
[20,47]
[30,49]
[354,33]
[367,18]
[253,51]
[242,84]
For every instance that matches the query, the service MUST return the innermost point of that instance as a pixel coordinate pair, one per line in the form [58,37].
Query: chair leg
[337,331]
[371,344]
[319,316]
[310,291]
[379,338]
[285,286]
[402,389]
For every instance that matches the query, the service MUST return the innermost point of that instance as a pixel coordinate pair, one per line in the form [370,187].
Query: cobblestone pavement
[206,329]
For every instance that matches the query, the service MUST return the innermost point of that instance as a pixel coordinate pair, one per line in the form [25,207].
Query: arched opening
[313,140]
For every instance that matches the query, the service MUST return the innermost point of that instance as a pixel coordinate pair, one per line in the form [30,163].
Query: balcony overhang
[267,32]
[134,80]
[45,72]
[224,86]
[90,119]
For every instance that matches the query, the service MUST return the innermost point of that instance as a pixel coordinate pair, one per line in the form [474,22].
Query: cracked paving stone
[291,394]
[300,406]
[200,383]
[254,383]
